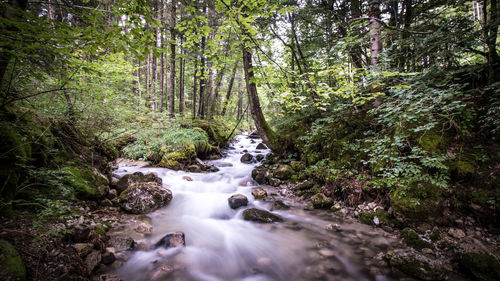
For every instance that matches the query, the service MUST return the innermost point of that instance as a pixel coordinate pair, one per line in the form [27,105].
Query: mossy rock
[433,141]
[216,131]
[11,265]
[87,183]
[482,266]
[283,172]
[321,201]
[416,265]
[416,203]
[383,217]
[177,159]
[412,239]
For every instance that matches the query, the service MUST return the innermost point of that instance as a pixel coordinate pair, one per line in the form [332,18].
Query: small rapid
[220,245]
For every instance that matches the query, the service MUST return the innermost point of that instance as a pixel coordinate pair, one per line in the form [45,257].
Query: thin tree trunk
[181,80]
[240,99]
[172,60]
[195,85]
[201,111]
[229,88]
[493,58]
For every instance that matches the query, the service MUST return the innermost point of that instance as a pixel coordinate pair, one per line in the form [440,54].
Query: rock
[477,260]
[259,193]
[83,249]
[260,216]
[136,177]
[81,232]
[162,272]
[261,146]
[109,277]
[145,228]
[259,157]
[224,164]
[171,240]
[108,258]
[327,253]
[336,207]
[274,182]
[106,203]
[333,227]
[413,240]
[456,233]
[305,185]
[283,172]
[435,234]
[194,169]
[280,205]
[11,264]
[121,243]
[321,201]
[427,251]
[416,265]
[144,197]
[92,261]
[237,200]
[112,194]
[246,158]
[187,178]
[260,175]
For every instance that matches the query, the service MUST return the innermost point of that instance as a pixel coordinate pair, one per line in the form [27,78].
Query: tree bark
[181,80]
[267,134]
[240,99]
[172,60]
[493,58]
[10,13]
[375,31]
[195,85]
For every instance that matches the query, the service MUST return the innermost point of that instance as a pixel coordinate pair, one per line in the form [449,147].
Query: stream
[220,245]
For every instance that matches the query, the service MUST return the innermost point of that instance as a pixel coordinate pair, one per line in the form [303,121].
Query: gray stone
[121,243]
[283,172]
[237,200]
[246,158]
[261,146]
[83,249]
[259,193]
[136,177]
[456,233]
[416,265]
[260,216]
[92,261]
[140,197]
[171,240]
[108,258]
[321,201]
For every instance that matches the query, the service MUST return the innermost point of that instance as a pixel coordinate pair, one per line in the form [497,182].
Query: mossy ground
[11,265]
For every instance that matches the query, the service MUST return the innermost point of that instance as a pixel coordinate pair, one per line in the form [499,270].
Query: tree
[173,43]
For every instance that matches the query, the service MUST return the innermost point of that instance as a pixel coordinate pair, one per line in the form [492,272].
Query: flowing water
[220,245]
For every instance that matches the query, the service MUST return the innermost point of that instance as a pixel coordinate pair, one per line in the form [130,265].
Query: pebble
[327,253]
[456,233]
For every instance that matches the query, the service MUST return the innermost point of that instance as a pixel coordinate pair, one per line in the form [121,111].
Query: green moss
[321,201]
[11,264]
[100,229]
[283,172]
[217,132]
[481,266]
[416,202]
[174,159]
[383,217]
[433,141]
[412,239]
[85,183]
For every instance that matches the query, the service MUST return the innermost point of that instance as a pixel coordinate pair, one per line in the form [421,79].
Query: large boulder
[477,260]
[321,201]
[237,200]
[416,265]
[259,193]
[144,197]
[260,216]
[92,261]
[246,158]
[172,240]
[125,181]
[283,172]
[11,264]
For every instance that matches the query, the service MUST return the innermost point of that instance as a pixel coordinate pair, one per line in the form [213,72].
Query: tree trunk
[265,131]
[240,99]
[355,51]
[493,58]
[201,110]
[172,60]
[9,13]
[195,85]
[181,80]
[375,30]
[229,89]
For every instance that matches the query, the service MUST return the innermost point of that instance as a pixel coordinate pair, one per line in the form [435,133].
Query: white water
[220,245]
